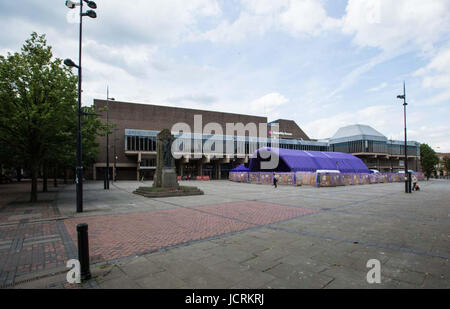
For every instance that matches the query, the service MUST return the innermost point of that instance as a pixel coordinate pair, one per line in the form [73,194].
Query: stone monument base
[169,178]
[167,192]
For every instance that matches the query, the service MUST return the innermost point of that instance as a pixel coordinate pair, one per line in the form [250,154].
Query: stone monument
[165,175]
[165,183]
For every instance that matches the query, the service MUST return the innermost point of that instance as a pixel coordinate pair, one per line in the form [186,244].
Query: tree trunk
[65,176]
[55,179]
[19,174]
[33,197]
[44,178]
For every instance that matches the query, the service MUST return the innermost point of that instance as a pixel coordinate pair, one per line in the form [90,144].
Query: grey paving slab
[140,267]
[122,282]
[254,280]
[409,234]
[167,280]
[297,278]
[262,263]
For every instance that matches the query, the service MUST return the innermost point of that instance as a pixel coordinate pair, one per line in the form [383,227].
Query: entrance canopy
[307,161]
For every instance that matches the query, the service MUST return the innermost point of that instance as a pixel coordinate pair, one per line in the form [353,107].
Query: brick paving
[29,248]
[16,212]
[256,213]
[117,236]
[31,239]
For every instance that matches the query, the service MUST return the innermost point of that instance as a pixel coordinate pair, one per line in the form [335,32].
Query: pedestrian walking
[414,181]
[275,180]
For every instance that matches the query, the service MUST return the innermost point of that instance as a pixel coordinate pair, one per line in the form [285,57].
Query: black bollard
[83,251]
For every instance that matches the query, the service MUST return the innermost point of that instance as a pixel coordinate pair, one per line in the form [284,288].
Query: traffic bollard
[83,251]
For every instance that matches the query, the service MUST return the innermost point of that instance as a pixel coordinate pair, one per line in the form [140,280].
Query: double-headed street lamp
[70,63]
[407,175]
[106,186]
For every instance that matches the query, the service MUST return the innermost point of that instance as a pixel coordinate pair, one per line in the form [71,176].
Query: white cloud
[137,49]
[374,116]
[435,136]
[246,25]
[296,17]
[395,27]
[437,73]
[385,119]
[306,17]
[156,21]
[390,25]
[436,76]
[268,104]
[265,6]
[378,88]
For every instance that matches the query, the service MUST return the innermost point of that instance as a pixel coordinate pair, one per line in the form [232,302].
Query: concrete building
[376,151]
[133,143]
[134,140]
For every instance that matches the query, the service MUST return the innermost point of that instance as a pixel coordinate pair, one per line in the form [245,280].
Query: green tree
[38,111]
[428,159]
[447,164]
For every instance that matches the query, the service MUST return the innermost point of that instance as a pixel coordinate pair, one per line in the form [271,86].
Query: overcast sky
[322,63]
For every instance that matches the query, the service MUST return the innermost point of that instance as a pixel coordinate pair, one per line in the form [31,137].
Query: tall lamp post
[107,139]
[70,63]
[407,175]
[115,156]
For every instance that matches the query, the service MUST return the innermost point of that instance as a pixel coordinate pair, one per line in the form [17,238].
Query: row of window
[400,150]
[143,143]
[304,147]
[360,146]
[140,143]
[373,147]
[148,162]
[148,143]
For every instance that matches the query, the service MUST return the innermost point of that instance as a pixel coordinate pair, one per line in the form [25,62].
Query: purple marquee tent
[308,161]
[240,168]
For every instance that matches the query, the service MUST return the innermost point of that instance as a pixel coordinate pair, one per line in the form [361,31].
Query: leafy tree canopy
[38,111]
[428,159]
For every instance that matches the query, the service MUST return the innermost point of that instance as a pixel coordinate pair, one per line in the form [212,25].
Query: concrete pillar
[180,167]
[200,167]
[139,158]
[217,174]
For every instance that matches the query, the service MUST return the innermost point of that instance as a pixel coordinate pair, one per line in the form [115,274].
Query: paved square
[234,236]
[118,236]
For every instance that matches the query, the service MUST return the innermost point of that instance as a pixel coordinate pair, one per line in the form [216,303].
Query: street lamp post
[407,175]
[70,63]
[115,156]
[107,139]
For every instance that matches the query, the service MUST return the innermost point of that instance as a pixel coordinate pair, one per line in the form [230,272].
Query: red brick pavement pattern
[258,213]
[117,236]
[10,213]
[29,250]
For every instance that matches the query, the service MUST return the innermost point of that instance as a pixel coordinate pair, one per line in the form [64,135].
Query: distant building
[376,151]
[440,167]
[133,143]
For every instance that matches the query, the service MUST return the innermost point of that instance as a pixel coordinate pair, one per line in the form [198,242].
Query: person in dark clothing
[275,180]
